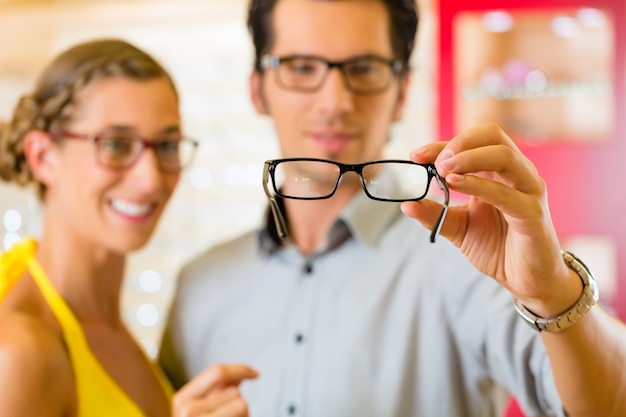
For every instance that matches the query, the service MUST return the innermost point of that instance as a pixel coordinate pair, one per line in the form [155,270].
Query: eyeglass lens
[318,179]
[119,150]
[308,73]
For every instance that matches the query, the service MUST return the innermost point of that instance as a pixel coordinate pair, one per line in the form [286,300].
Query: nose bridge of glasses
[140,153]
[328,75]
[164,158]
[145,168]
[345,171]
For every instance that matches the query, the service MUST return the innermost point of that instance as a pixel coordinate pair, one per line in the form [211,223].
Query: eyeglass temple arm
[444,209]
[279,220]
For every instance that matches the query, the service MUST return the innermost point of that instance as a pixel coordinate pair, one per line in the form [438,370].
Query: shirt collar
[363,218]
[367,219]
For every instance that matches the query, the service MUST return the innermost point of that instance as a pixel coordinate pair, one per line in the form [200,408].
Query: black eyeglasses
[121,149]
[367,74]
[316,179]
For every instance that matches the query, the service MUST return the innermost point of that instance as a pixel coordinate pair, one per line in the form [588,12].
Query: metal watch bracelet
[570,316]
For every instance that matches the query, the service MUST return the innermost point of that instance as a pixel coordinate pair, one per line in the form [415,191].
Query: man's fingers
[476,137]
[480,136]
[428,153]
[426,212]
[496,162]
[485,151]
[513,203]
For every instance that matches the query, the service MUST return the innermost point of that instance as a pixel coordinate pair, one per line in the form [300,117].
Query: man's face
[331,122]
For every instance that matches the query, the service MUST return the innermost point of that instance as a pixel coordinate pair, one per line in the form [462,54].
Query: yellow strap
[71,328]
[13,264]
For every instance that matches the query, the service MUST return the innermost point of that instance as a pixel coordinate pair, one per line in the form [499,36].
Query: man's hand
[504,228]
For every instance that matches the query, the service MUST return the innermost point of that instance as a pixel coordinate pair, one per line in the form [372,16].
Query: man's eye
[302,67]
[362,68]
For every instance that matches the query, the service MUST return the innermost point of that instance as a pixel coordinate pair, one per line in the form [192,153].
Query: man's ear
[41,155]
[256,92]
[398,112]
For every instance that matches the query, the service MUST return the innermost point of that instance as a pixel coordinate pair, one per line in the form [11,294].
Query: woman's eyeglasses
[121,149]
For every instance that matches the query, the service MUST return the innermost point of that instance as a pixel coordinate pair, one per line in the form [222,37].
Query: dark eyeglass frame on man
[139,144]
[355,72]
[269,176]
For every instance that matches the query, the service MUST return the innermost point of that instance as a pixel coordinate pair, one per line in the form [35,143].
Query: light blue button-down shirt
[379,323]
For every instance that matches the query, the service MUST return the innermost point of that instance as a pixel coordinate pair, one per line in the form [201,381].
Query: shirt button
[291,409]
[308,268]
[299,338]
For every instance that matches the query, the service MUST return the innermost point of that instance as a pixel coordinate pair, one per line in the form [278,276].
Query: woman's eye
[117,145]
[169,146]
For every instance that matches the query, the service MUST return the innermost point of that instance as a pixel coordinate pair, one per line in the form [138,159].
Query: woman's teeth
[131,209]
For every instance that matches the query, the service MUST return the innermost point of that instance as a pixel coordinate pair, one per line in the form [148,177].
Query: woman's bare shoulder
[36,375]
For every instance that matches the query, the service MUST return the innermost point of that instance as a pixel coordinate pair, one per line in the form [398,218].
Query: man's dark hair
[403,18]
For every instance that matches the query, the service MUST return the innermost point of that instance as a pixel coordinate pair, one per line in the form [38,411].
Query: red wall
[584,180]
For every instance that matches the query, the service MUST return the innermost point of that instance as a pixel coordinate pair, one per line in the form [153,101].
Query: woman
[100,140]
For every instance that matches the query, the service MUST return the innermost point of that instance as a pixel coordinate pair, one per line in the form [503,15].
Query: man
[356,312]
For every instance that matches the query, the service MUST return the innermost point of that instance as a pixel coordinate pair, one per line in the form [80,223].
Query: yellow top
[98,394]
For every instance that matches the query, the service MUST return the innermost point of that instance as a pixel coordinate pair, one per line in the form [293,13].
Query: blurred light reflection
[12,220]
[592,18]
[536,81]
[150,281]
[10,239]
[147,315]
[497,21]
[565,27]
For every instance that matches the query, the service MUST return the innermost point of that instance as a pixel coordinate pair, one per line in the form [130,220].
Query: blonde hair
[50,105]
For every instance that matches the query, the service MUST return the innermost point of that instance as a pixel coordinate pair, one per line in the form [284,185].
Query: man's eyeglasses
[364,75]
[121,149]
[316,179]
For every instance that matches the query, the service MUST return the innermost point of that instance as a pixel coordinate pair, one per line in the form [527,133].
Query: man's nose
[335,94]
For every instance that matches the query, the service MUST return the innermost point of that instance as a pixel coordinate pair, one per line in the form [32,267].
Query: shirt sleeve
[493,337]
[169,356]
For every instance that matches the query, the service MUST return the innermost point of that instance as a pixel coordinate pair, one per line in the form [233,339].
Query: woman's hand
[214,393]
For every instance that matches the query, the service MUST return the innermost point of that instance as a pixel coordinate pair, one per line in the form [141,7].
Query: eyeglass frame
[269,170]
[272,61]
[145,143]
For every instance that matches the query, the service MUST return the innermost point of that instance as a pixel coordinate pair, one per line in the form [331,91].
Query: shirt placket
[299,341]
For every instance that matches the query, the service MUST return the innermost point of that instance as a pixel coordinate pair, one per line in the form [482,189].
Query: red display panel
[552,73]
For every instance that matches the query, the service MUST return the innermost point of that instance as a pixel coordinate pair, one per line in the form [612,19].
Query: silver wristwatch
[564,320]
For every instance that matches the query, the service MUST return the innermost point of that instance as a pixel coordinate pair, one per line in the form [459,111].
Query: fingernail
[455,178]
[422,150]
[447,160]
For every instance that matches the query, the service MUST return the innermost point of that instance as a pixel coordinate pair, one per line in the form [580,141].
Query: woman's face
[114,208]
